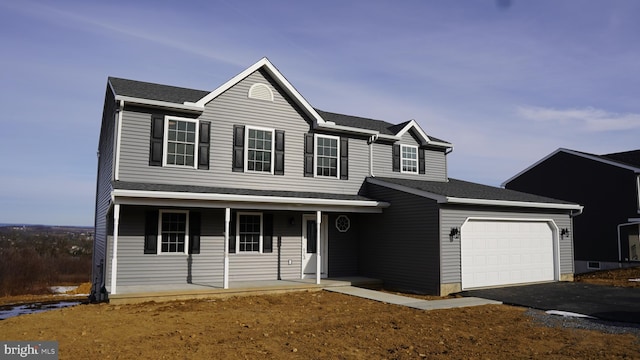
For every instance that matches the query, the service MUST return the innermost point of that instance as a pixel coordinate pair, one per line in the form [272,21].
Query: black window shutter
[156,141]
[308,155]
[396,158]
[238,148]
[267,233]
[421,161]
[232,233]
[194,232]
[151,233]
[344,158]
[203,145]
[279,155]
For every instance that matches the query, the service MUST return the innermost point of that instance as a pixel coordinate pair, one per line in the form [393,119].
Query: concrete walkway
[411,302]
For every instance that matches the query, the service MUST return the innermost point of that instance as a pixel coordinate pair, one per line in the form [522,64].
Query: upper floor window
[180,136]
[327,155]
[409,159]
[259,149]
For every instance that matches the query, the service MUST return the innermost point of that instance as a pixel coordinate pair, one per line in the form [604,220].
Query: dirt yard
[307,325]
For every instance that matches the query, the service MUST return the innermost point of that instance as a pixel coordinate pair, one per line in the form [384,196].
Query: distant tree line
[33,258]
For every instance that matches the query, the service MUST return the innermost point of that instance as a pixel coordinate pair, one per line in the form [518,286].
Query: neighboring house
[249,182]
[608,186]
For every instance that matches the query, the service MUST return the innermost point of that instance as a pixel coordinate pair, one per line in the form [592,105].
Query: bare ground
[308,325]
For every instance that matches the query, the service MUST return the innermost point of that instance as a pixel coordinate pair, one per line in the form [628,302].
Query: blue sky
[507,82]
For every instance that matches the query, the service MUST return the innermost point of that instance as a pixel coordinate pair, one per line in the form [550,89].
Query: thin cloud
[587,119]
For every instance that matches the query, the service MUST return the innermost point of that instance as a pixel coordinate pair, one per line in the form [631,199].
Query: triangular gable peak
[424,138]
[277,76]
[593,157]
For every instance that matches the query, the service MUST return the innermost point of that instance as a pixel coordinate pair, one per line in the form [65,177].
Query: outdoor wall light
[564,232]
[454,234]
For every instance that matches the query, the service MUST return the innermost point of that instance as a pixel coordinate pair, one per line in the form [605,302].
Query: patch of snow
[15,310]
[62,289]
[638,280]
[568,314]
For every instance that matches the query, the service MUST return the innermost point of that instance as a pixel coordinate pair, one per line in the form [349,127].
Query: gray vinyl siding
[401,245]
[453,216]
[103,186]
[233,107]
[435,160]
[137,268]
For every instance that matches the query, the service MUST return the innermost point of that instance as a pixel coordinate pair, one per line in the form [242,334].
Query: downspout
[225,269]
[118,134]
[114,252]
[372,139]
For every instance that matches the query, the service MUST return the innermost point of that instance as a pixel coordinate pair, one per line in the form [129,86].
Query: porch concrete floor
[142,293]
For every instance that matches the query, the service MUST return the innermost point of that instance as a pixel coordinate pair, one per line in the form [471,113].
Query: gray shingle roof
[628,157]
[151,91]
[468,190]
[179,95]
[125,185]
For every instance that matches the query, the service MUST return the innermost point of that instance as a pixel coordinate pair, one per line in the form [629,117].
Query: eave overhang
[218,200]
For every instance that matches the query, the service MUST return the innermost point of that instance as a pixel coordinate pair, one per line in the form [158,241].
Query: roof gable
[606,159]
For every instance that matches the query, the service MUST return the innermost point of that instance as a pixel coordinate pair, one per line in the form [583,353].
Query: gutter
[161,104]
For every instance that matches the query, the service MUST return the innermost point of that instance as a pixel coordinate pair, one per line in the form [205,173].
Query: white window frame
[638,192]
[237,239]
[246,148]
[165,142]
[186,232]
[402,159]
[315,155]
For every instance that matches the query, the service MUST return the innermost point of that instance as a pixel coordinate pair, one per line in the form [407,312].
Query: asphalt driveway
[602,302]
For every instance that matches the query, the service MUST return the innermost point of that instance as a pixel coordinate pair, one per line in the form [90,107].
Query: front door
[309,246]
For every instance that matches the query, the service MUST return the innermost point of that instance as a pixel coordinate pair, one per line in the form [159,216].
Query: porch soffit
[200,196]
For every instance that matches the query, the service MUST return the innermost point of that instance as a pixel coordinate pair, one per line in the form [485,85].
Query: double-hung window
[173,232]
[180,136]
[327,155]
[409,159]
[249,232]
[259,148]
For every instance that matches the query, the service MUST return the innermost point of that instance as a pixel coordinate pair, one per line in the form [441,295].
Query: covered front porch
[142,293]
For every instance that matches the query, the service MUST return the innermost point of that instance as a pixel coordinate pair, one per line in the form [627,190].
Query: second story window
[327,155]
[181,146]
[409,159]
[259,149]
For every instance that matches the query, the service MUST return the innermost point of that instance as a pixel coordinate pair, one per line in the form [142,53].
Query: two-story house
[608,186]
[249,182]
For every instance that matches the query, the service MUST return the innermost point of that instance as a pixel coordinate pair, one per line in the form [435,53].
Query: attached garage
[505,252]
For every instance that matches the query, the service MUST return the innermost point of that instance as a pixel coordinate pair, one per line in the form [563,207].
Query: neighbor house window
[409,158]
[259,149]
[249,232]
[173,231]
[327,152]
[180,137]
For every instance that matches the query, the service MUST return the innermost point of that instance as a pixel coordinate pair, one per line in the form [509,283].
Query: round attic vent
[260,92]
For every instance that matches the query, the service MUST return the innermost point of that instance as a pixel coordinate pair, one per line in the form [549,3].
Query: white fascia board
[389,137]
[117,193]
[526,204]
[425,138]
[346,129]
[576,153]
[279,78]
[161,104]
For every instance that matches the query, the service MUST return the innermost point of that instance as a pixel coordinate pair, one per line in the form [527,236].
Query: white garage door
[506,252]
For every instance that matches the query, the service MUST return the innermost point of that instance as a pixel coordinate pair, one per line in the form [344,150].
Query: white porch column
[225,271]
[114,251]
[318,250]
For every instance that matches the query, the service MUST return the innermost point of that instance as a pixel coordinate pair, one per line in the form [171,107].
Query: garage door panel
[506,252]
